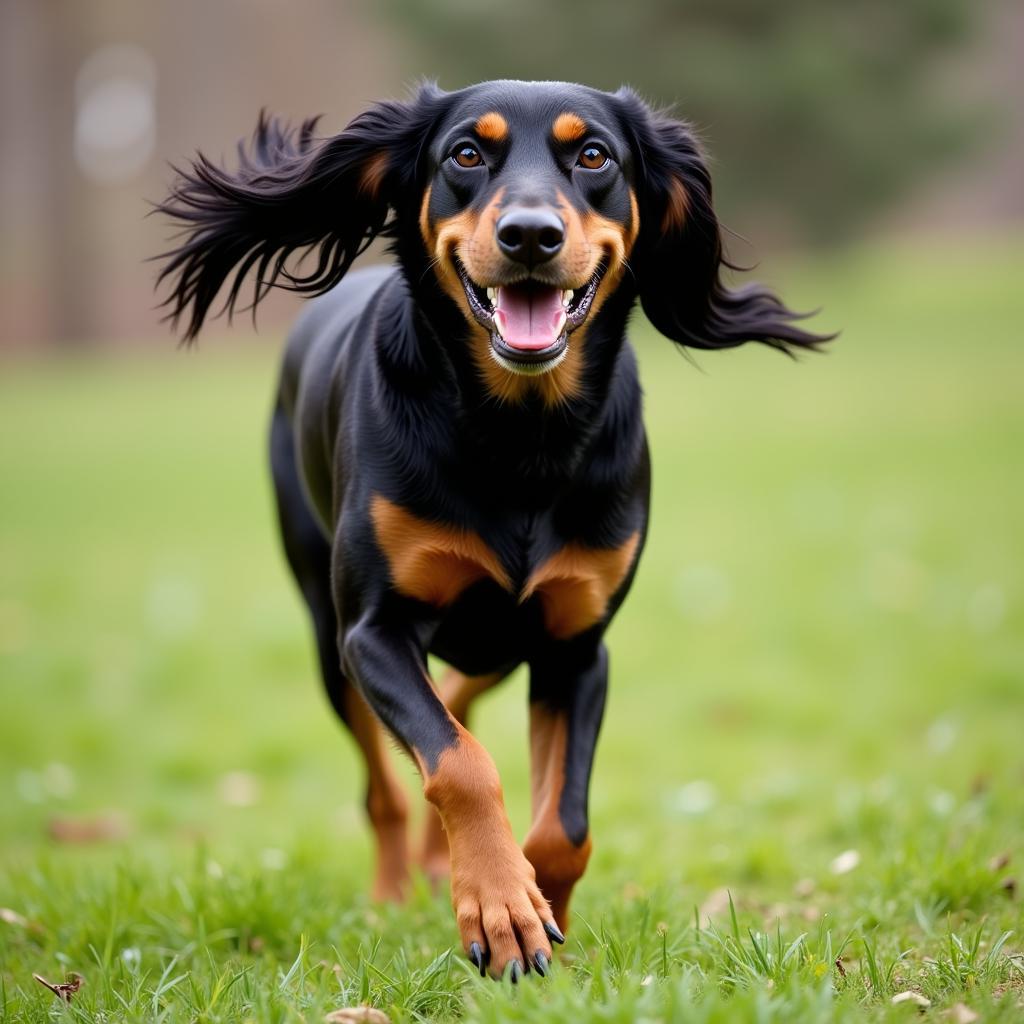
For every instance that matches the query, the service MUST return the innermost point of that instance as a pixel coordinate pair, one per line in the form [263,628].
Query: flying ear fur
[290,193]
[678,260]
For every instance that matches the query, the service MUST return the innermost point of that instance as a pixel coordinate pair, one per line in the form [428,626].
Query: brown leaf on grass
[357,1015]
[961,1013]
[64,989]
[16,920]
[839,966]
[99,829]
[998,862]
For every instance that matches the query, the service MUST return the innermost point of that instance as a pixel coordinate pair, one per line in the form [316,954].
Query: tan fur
[675,209]
[558,862]
[492,127]
[576,584]
[568,127]
[386,803]
[470,236]
[457,691]
[493,886]
[373,174]
[429,561]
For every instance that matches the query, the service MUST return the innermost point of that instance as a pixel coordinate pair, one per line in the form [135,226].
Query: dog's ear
[292,192]
[678,258]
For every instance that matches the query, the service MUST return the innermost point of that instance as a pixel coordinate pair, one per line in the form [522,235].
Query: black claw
[477,956]
[516,973]
[553,932]
[540,961]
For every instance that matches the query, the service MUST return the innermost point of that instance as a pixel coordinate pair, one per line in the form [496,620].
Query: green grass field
[817,697]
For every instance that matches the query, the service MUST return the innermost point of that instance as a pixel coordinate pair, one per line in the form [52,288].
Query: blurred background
[827,121]
[825,636]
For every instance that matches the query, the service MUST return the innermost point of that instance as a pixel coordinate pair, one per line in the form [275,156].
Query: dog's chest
[436,564]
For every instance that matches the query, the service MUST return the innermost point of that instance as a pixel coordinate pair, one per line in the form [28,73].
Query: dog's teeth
[566,296]
[492,295]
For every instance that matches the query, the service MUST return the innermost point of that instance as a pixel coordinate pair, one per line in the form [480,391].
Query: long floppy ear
[678,258]
[290,193]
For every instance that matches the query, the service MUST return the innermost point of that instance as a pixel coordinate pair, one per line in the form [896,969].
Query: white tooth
[492,295]
[566,296]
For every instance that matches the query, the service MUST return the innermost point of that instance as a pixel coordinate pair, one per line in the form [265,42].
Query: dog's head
[525,206]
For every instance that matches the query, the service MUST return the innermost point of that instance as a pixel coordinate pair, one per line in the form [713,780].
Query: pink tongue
[529,318]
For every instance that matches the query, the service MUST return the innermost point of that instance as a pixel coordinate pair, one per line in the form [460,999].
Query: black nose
[530,234]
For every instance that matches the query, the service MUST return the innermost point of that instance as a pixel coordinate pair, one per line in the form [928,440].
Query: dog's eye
[593,158]
[467,156]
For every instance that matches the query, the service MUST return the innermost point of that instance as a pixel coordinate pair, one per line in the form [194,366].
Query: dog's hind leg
[458,691]
[309,555]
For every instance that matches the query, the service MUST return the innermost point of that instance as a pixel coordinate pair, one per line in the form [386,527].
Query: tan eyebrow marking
[568,127]
[492,127]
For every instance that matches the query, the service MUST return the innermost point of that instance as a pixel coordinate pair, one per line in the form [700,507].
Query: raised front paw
[505,922]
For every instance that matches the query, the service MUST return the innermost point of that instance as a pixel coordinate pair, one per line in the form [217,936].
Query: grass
[808,796]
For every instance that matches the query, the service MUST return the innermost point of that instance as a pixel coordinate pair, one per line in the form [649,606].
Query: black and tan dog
[458,451]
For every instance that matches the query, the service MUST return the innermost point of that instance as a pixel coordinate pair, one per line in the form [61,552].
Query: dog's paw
[505,922]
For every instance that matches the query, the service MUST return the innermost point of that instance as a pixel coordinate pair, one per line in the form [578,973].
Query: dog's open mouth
[529,322]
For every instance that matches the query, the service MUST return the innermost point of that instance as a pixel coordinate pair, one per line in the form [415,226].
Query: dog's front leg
[504,920]
[568,684]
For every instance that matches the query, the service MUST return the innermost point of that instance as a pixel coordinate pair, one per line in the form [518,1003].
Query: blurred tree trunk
[65,228]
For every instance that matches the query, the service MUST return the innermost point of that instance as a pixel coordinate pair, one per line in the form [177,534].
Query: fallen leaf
[65,989]
[960,1013]
[912,997]
[16,920]
[98,829]
[840,967]
[999,862]
[357,1015]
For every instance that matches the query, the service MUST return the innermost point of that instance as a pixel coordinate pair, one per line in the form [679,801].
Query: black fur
[680,273]
[290,193]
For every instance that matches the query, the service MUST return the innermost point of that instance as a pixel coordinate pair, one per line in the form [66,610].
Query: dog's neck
[426,363]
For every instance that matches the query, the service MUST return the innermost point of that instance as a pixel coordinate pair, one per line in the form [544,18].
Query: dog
[457,446]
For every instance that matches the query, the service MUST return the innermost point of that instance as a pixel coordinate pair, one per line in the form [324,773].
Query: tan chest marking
[576,584]
[429,561]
